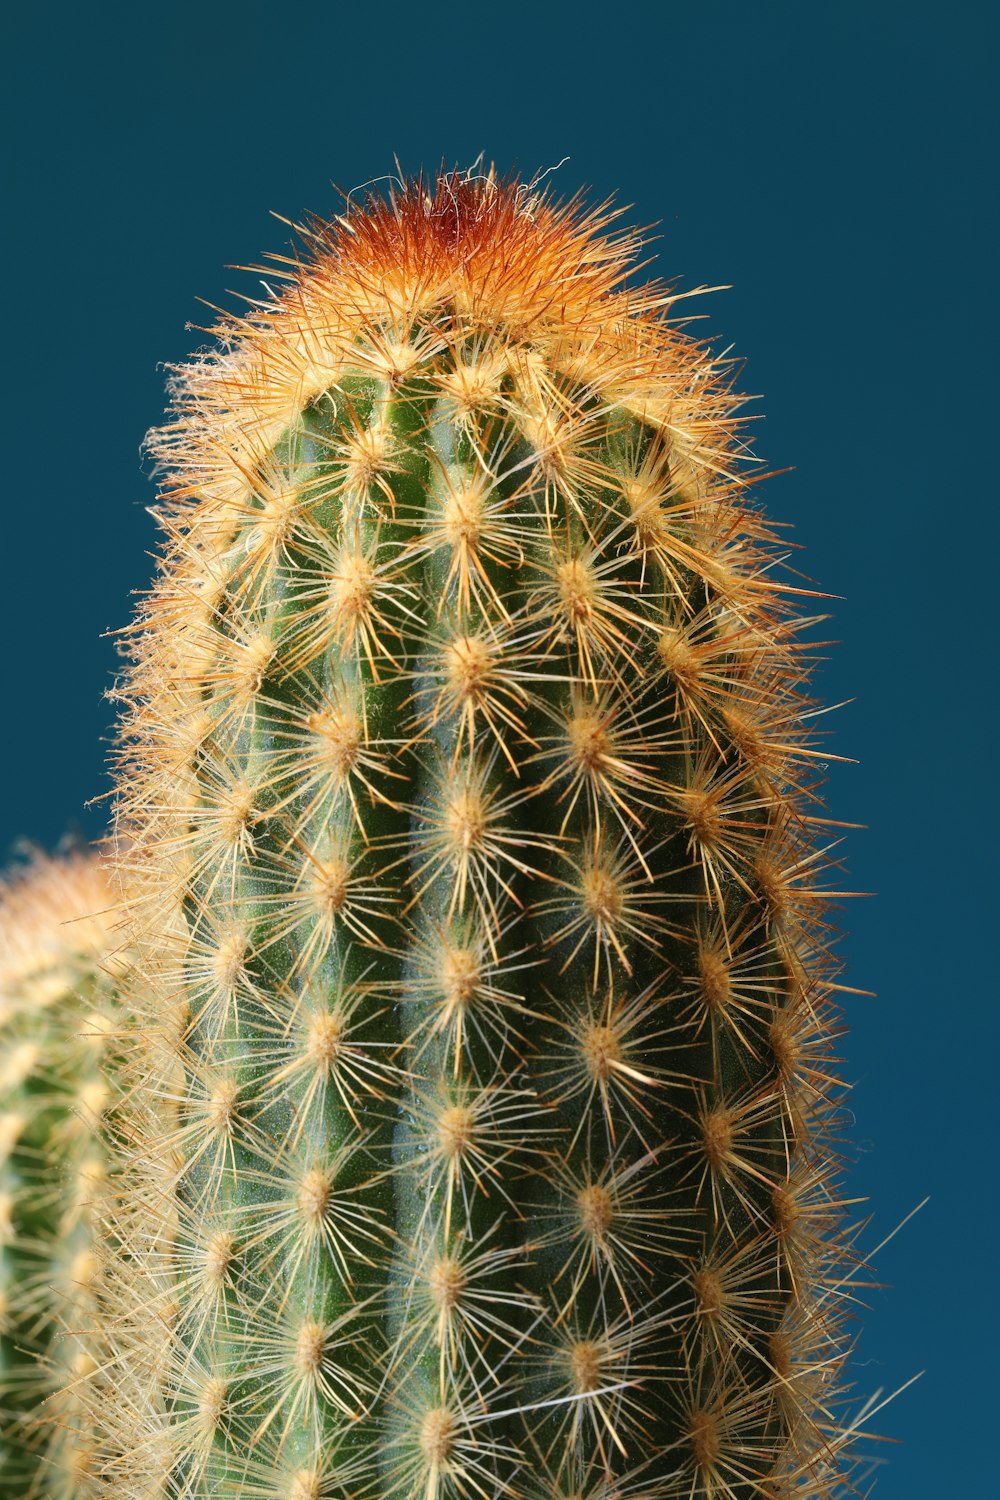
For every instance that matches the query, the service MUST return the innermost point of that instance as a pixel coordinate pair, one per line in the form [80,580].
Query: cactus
[56,1021]
[476,864]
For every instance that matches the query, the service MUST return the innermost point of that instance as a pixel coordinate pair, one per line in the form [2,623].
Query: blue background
[832,163]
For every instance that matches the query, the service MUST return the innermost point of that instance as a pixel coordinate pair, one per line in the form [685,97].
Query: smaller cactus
[56,1024]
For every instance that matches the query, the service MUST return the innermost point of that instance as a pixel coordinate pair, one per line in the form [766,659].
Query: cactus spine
[56,1022]
[469,786]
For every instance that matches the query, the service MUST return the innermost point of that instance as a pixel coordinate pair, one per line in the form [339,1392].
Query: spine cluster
[57,1025]
[480,1140]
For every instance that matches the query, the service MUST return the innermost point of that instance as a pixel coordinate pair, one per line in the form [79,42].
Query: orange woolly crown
[496,252]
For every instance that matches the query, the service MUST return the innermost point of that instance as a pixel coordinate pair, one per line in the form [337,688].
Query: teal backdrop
[833,165]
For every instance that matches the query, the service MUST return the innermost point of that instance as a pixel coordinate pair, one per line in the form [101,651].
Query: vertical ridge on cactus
[476,866]
[56,1024]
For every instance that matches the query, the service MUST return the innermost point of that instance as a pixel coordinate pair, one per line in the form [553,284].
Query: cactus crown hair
[482,1140]
[493,254]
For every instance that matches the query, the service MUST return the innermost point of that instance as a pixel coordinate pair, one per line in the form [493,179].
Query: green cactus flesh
[55,1024]
[469,789]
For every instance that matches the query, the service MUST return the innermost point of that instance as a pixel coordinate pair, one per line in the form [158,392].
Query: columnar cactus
[470,793]
[56,1024]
